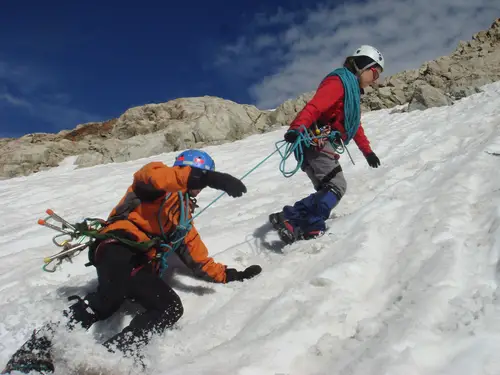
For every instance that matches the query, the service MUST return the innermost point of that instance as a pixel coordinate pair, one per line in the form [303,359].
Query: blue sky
[63,63]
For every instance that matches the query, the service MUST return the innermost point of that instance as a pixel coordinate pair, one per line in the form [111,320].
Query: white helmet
[372,53]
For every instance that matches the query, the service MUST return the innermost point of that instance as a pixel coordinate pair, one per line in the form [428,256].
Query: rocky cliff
[193,122]
[139,132]
[439,82]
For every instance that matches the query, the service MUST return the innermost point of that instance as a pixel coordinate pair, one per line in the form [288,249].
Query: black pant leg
[163,308]
[114,265]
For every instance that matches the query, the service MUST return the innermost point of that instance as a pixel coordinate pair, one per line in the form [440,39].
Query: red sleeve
[361,140]
[328,93]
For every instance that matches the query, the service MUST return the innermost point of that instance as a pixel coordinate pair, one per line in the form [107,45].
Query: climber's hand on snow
[200,178]
[373,160]
[248,273]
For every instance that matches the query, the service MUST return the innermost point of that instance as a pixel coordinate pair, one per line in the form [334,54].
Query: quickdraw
[74,238]
[70,238]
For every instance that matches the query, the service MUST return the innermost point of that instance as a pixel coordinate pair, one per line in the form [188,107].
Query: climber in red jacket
[335,107]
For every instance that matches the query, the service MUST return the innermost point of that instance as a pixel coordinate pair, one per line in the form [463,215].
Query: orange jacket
[137,216]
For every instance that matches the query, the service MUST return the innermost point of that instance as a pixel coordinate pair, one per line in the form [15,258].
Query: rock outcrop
[473,64]
[139,132]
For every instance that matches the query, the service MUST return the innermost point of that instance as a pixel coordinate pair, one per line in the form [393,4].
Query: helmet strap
[360,71]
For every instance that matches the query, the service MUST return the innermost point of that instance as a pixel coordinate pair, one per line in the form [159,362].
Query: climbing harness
[175,239]
[305,139]
[74,238]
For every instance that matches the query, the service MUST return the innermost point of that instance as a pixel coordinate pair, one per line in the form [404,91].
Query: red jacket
[327,108]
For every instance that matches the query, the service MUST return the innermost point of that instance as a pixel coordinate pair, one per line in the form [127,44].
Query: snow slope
[405,282]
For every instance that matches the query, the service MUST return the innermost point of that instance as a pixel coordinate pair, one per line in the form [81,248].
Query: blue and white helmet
[195,158]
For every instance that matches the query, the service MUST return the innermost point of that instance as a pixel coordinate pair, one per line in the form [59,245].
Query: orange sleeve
[155,179]
[195,255]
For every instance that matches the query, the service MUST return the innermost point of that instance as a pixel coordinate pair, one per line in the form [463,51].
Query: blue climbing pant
[324,171]
[309,214]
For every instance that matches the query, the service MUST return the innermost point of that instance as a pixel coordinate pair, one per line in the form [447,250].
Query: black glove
[200,178]
[373,160]
[248,273]
[291,136]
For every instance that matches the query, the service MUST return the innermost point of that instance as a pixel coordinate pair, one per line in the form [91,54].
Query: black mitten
[200,178]
[248,273]
[291,136]
[373,160]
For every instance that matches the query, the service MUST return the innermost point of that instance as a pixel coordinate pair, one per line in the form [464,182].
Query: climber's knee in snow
[82,313]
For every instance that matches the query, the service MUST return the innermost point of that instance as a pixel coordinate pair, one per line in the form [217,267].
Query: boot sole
[275,222]
[285,236]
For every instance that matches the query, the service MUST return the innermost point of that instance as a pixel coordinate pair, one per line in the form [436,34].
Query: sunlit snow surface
[404,282]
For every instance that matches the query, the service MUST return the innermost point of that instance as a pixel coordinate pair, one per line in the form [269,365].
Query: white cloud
[314,42]
[14,101]
[281,16]
[263,41]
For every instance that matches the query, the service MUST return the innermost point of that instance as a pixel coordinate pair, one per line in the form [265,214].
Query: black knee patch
[80,312]
[138,333]
[170,315]
[178,311]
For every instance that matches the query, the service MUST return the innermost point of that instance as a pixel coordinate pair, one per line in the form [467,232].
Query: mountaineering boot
[289,234]
[34,355]
[313,234]
[277,220]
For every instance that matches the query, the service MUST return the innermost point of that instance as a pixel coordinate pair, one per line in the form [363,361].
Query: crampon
[71,238]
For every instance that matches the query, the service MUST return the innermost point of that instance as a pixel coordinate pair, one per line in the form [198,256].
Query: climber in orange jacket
[154,192]
[152,218]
